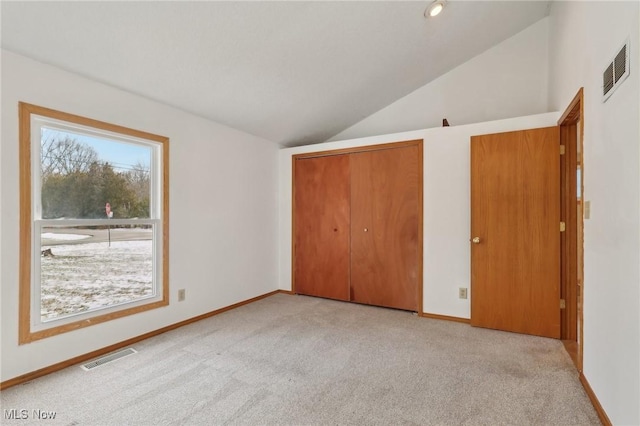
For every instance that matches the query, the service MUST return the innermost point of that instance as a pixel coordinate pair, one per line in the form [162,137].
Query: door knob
[476,240]
[366,229]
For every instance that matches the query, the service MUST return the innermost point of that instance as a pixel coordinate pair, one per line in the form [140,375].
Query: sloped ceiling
[291,72]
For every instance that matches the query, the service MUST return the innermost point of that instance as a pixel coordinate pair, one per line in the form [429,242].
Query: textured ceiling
[291,72]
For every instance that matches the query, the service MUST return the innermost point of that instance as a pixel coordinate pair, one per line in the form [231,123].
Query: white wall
[446,205]
[223,209]
[584,36]
[508,80]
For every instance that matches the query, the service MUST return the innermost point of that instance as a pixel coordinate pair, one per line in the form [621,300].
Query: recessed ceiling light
[434,9]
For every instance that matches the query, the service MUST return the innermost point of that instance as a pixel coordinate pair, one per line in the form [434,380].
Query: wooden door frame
[379,147]
[572,138]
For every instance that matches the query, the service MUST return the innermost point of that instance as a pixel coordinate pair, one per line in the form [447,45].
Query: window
[93,222]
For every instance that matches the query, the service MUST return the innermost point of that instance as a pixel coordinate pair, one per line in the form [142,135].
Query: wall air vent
[616,72]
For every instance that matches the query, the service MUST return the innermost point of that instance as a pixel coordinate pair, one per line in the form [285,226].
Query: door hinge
[562,149]
[563,304]
[563,227]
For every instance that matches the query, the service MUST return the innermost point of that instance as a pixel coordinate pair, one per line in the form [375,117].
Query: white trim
[97,222]
[66,126]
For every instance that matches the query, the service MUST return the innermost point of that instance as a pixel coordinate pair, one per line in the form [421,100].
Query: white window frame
[32,120]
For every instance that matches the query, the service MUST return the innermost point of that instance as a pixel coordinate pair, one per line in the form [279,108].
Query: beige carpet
[301,360]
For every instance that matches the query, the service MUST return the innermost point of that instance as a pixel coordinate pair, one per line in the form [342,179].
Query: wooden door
[321,226]
[386,205]
[515,216]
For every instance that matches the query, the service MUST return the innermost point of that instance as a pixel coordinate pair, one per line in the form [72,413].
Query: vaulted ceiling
[291,72]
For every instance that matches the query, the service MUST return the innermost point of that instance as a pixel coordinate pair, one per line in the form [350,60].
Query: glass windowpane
[80,174]
[88,268]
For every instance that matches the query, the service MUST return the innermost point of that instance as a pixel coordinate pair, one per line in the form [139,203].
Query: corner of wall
[583,37]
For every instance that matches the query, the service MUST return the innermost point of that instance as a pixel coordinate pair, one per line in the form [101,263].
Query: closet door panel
[385,208]
[321,226]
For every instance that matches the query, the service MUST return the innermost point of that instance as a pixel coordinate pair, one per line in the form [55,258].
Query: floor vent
[616,72]
[108,358]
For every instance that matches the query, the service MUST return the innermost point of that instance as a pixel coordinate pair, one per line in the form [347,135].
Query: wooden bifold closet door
[357,226]
[322,226]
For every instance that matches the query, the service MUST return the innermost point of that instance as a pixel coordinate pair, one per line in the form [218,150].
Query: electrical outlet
[181,295]
[462,293]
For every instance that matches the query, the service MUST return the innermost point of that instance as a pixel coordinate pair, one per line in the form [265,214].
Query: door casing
[571,282]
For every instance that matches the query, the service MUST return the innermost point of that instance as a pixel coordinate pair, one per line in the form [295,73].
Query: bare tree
[138,178]
[65,155]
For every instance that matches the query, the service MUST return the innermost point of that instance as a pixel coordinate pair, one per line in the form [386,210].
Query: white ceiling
[291,72]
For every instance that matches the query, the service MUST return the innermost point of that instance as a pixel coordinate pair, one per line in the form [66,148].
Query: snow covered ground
[82,277]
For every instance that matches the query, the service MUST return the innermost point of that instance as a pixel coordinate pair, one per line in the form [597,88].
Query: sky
[121,155]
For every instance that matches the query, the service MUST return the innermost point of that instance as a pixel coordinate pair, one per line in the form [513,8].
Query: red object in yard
[107,208]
